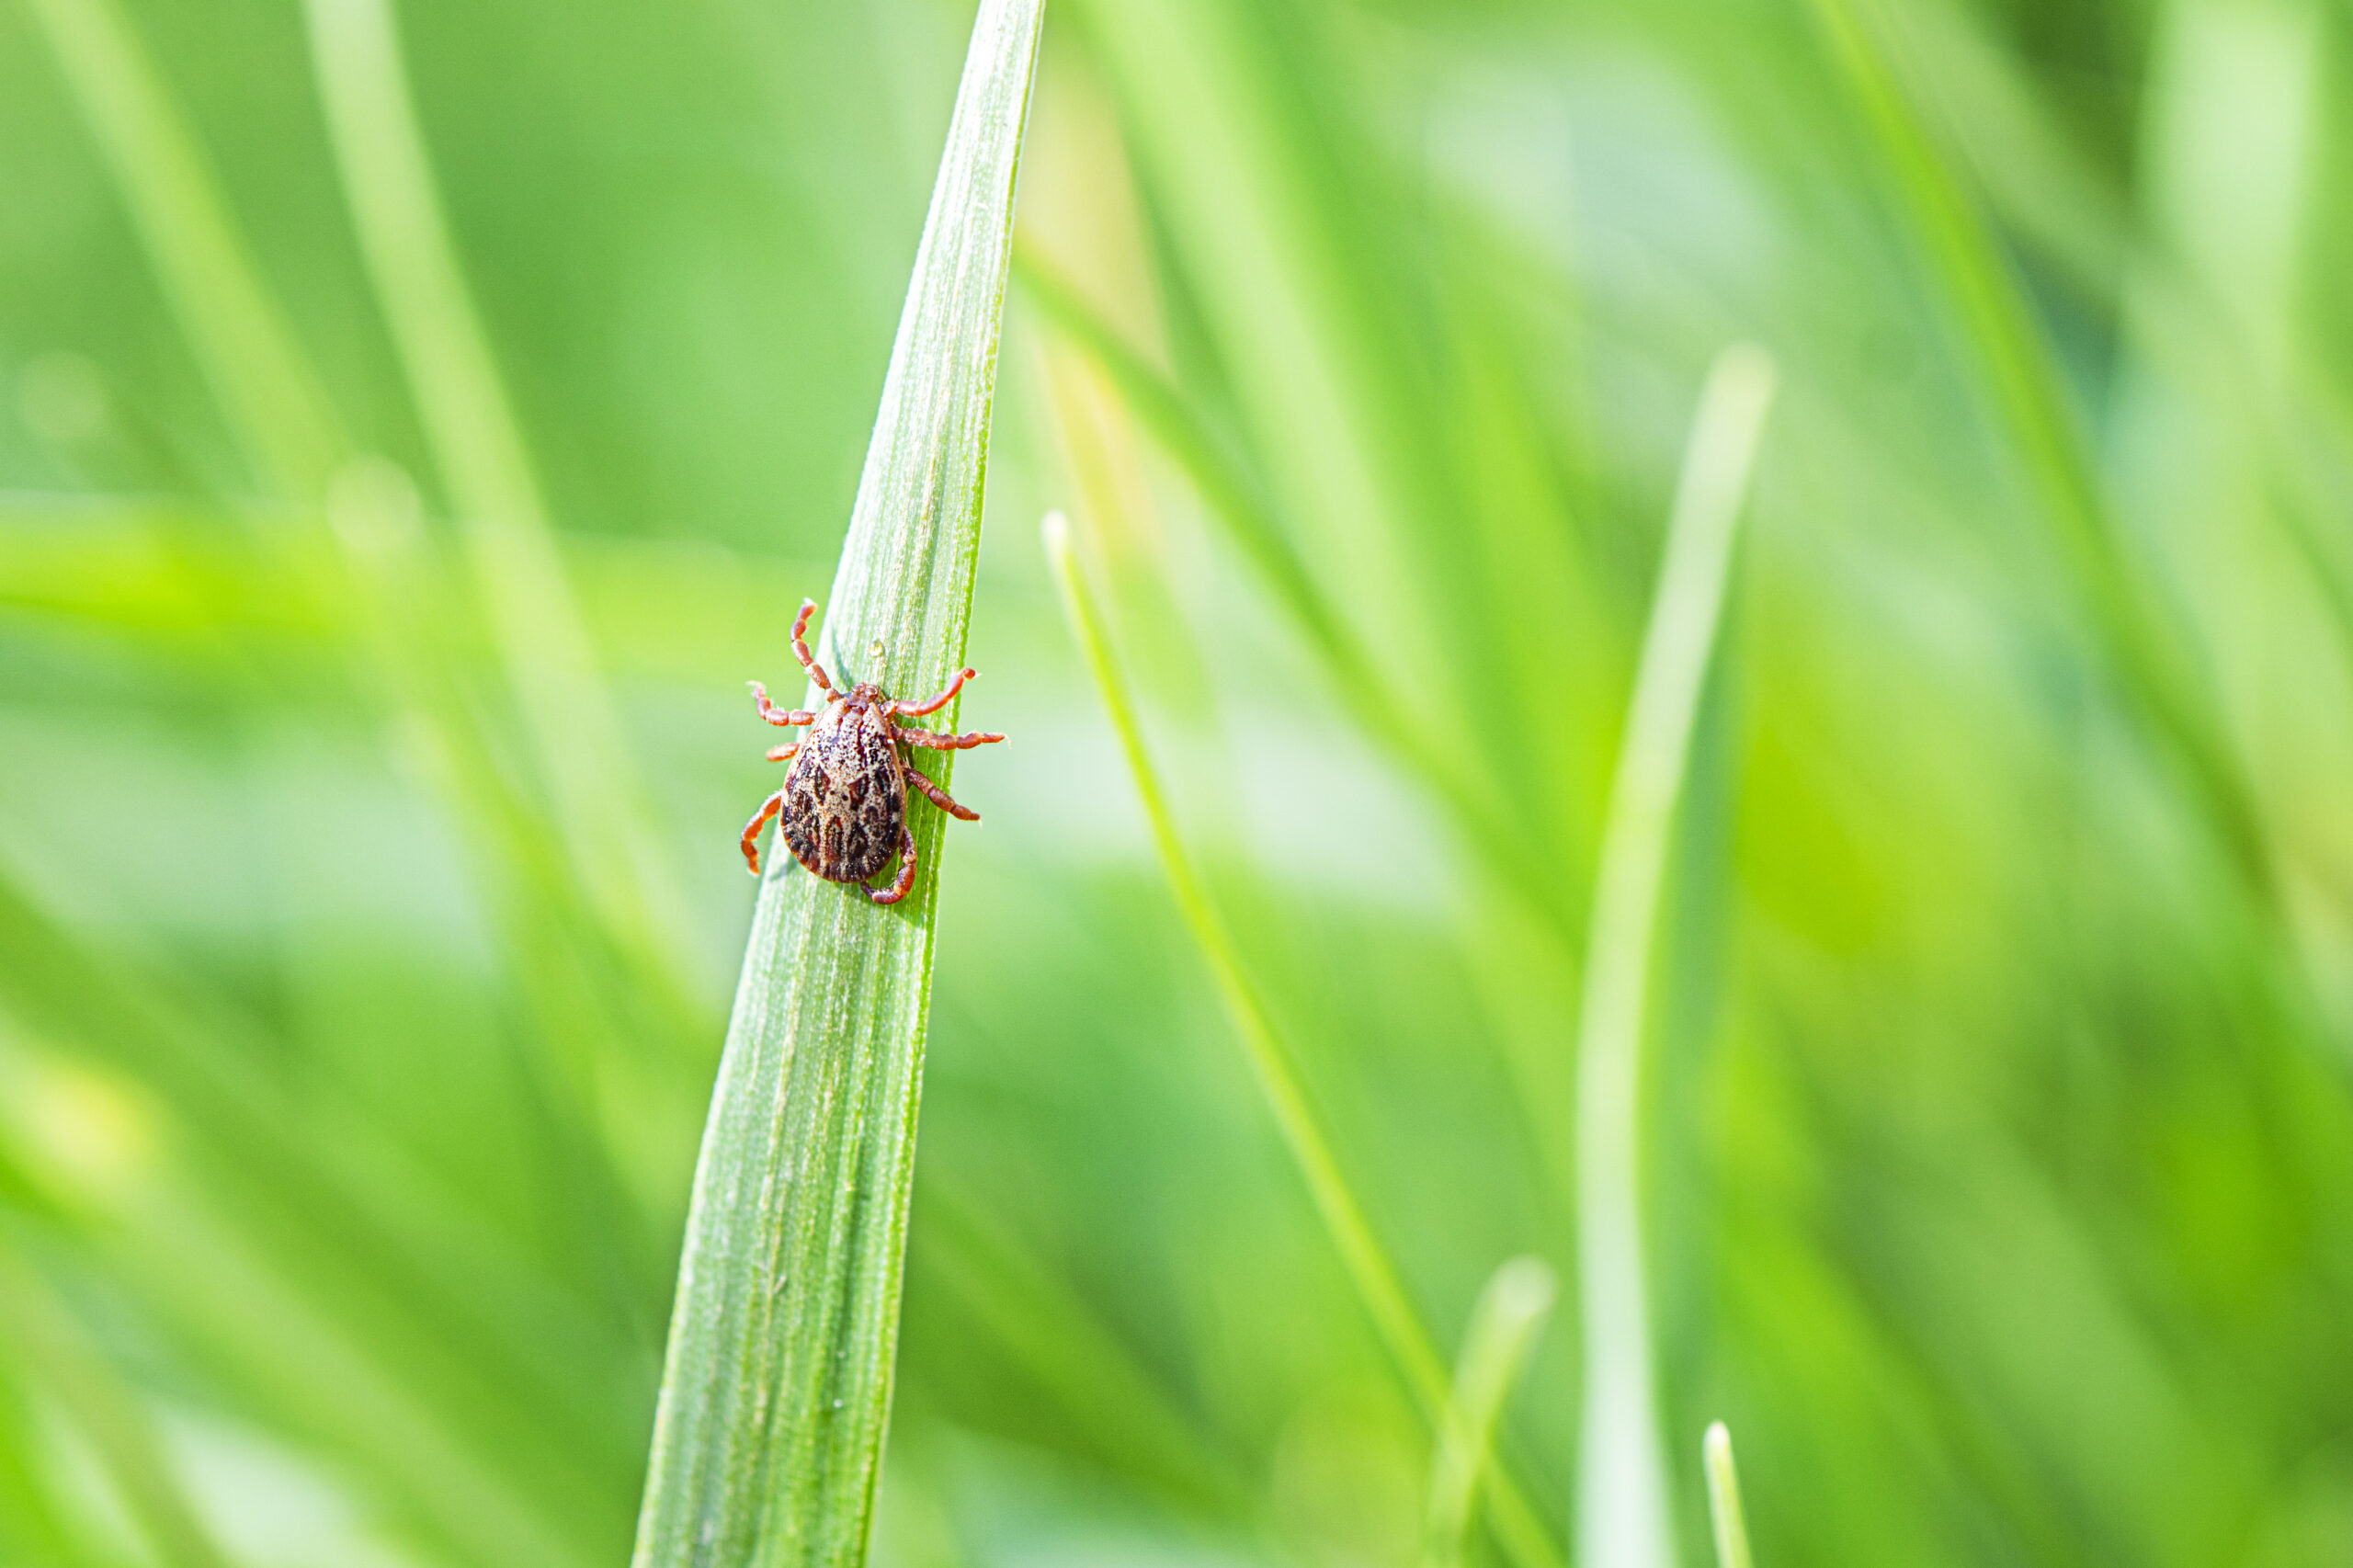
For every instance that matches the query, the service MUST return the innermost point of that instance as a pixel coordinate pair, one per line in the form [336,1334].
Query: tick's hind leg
[898,890]
[916,709]
[800,649]
[938,742]
[940,797]
[784,752]
[768,808]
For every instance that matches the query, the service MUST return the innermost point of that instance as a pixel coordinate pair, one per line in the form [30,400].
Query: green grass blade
[777,1390]
[1370,1268]
[478,444]
[242,344]
[1234,500]
[2031,398]
[388,588]
[1051,1333]
[1724,1499]
[1621,1482]
[1504,1326]
[106,1417]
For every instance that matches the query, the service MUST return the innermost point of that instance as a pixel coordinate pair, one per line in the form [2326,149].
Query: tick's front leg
[898,890]
[800,649]
[784,752]
[938,742]
[782,717]
[768,808]
[916,709]
[940,797]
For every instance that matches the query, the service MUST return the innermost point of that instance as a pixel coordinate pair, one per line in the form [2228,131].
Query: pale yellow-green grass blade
[477,443]
[382,582]
[242,344]
[105,1416]
[777,1391]
[1622,1517]
[2141,649]
[1234,501]
[1051,1333]
[1369,1268]
[1510,1314]
[1724,1499]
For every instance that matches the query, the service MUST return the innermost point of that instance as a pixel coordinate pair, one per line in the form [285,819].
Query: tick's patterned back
[844,799]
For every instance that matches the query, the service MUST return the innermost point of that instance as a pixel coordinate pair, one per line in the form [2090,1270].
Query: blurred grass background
[1999,1150]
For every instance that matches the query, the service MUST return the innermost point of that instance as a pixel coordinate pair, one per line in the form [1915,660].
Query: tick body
[844,805]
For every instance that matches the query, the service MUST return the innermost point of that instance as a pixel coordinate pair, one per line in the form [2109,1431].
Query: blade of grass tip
[1503,1325]
[1622,1477]
[1724,1499]
[106,1415]
[2031,401]
[776,1393]
[1371,1272]
[478,445]
[242,345]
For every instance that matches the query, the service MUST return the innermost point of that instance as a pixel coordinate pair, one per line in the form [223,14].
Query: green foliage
[417,421]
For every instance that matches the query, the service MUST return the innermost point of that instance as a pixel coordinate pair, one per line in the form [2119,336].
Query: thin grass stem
[2029,395]
[1510,1314]
[242,344]
[119,1434]
[1622,1518]
[478,445]
[1724,1499]
[1369,1269]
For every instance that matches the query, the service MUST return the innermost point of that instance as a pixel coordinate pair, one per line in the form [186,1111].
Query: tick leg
[768,808]
[938,741]
[801,650]
[898,890]
[784,752]
[940,797]
[782,717]
[916,709]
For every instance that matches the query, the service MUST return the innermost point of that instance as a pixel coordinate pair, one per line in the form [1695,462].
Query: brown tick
[845,800]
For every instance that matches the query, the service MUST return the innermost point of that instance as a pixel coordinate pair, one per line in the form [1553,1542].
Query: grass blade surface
[777,1391]
[1621,1482]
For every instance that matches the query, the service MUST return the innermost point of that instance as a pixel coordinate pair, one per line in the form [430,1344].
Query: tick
[844,803]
